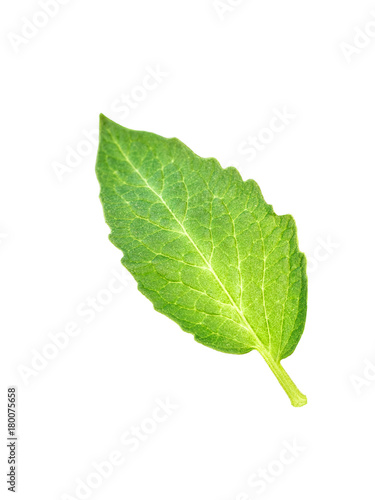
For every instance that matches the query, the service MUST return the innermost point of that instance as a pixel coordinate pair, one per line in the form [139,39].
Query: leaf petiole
[295,395]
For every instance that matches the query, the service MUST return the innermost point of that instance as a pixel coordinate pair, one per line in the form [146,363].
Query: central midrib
[260,346]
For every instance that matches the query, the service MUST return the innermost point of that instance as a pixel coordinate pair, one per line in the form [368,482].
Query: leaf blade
[203,245]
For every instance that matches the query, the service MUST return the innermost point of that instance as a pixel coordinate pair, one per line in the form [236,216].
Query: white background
[224,76]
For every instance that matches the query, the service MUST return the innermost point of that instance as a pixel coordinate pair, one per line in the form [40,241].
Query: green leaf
[204,246]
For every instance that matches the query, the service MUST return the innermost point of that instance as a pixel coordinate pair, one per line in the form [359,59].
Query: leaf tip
[103,120]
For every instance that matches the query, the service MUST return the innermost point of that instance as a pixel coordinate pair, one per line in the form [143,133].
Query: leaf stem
[295,395]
